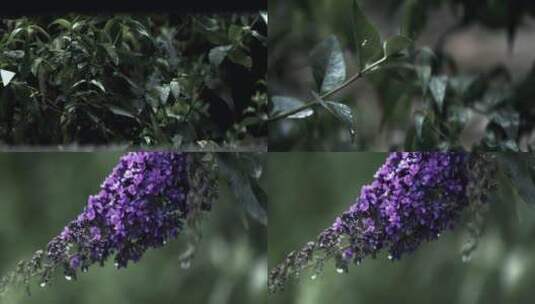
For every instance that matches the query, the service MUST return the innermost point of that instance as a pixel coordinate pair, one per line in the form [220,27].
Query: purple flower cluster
[141,204]
[414,197]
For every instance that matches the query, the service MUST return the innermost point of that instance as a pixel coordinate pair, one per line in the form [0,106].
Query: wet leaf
[328,64]
[285,104]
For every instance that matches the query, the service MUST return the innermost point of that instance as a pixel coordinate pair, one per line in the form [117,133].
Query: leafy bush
[139,80]
[424,96]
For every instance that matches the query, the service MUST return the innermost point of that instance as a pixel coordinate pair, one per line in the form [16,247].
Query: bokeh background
[297,26]
[41,192]
[307,192]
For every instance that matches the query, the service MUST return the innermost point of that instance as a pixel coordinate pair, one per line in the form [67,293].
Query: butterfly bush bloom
[141,204]
[412,198]
[146,200]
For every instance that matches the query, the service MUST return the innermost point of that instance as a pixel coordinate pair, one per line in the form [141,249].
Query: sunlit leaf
[6,76]
[264,16]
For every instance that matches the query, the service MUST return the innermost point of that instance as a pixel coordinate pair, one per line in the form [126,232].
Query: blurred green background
[308,190]
[41,192]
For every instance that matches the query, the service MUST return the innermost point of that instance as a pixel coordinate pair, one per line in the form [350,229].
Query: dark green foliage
[136,80]
[242,173]
[427,101]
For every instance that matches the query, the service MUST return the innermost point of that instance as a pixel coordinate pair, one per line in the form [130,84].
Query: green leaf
[285,104]
[62,23]
[112,52]
[78,83]
[163,93]
[339,110]
[235,33]
[36,65]
[519,166]
[244,187]
[508,120]
[98,84]
[423,68]
[6,76]
[218,54]
[367,38]
[414,18]
[419,121]
[328,64]
[120,111]
[40,30]
[264,16]
[396,44]
[238,56]
[438,86]
[461,84]
[14,34]
[15,54]
[175,88]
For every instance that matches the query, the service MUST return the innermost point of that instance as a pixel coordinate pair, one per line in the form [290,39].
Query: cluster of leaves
[139,80]
[493,14]
[511,173]
[450,98]
[329,71]
[425,86]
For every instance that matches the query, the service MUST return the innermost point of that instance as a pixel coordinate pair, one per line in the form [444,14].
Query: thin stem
[344,85]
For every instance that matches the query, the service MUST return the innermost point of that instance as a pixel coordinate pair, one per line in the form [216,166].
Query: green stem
[344,85]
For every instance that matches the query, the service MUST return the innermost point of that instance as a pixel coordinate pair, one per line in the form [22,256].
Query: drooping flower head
[413,197]
[145,201]
[141,204]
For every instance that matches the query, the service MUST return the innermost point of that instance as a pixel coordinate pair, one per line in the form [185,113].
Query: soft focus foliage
[41,191]
[138,80]
[412,91]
